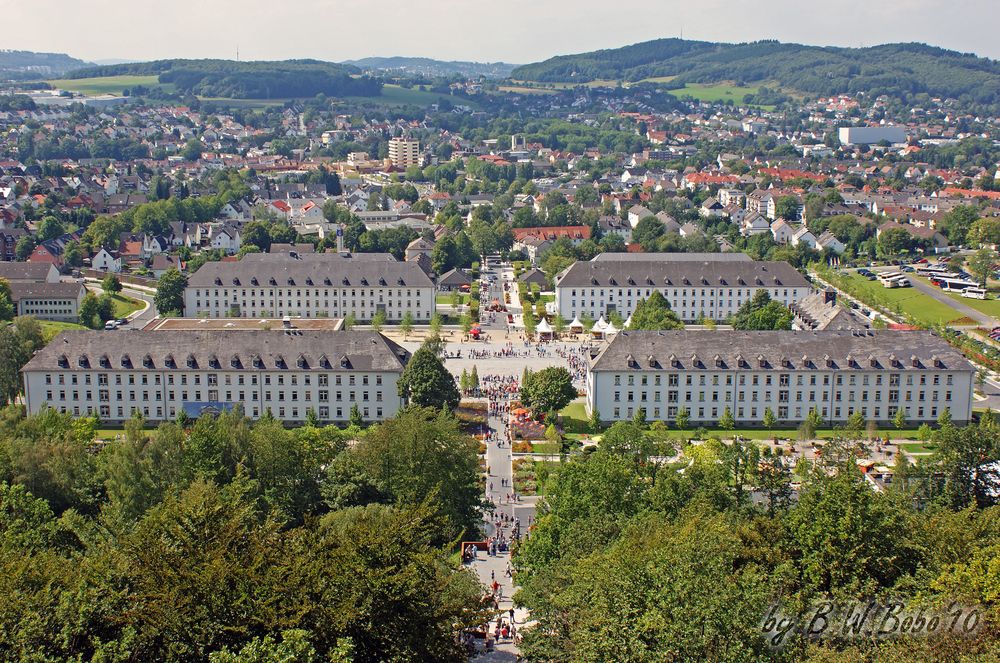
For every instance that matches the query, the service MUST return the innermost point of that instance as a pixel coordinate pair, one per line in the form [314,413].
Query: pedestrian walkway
[508,520]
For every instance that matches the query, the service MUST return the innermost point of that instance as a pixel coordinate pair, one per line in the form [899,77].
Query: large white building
[697,285]
[307,285]
[837,373]
[161,374]
[872,135]
[404,152]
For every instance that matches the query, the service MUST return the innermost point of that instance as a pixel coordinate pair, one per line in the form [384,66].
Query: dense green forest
[247,80]
[631,560]
[227,540]
[893,69]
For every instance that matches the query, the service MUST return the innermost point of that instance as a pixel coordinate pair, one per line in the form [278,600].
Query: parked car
[111,325]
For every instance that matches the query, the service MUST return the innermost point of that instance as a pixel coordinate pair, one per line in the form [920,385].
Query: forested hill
[429,67]
[247,80]
[891,68]
[26,65]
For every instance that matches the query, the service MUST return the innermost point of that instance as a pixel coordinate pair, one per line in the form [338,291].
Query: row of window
[783,396]
[679,292]
[318,292]
[212,379]
[293,413]
[104,395]
[784,413]
[783,379]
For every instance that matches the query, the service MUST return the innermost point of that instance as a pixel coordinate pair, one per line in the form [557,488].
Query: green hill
[246,80]
[894,69]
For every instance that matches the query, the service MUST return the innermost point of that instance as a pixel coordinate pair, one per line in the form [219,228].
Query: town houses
[791,373]
[697,286]
[284,374]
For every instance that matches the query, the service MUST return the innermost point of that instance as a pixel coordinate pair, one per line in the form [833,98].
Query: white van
[111,325]
[974,293]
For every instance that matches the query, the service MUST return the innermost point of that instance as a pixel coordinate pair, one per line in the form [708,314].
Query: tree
[899,421]
[406,324]
[682,419]
[548,390]
[6,301]
[355,419]
[111,285]
[595,421]
[349,322]
[980,264]
[24,248]
[762,313]
[93,313]
[639,418]
[423,455]
[787,207]
[653,314]
[378,320]
[425,381]
[50,228]
[169,298]
[436,324]
[726,421]
[769,421]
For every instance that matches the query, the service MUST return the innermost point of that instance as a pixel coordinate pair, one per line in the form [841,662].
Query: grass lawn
[716,92]
[106,85]
[574,417]
[394,95]
[918,447]
[524,89]
[444,299]
[124,306]
[990,307]
[50,328]
[907,301]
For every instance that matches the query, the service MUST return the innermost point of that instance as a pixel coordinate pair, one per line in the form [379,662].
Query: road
[984,320]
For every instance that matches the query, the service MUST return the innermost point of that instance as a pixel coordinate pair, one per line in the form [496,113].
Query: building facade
[48,301]
[404,152]
[310,286]
[161,374]
[697,286]
[837,373]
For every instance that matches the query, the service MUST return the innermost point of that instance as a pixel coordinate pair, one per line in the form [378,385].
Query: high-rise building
[404,152]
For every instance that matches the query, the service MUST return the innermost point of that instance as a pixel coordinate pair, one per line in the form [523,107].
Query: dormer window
[147,361]
[254,281]
[82,361]
[126,361]
[169,361]
[192,362]
[236,282]
[218,281]
[235,362]
[272,281]
[345,362]
[324,362]
[256,361]
[301,362]
[105,361]
[381,281]
[63,361]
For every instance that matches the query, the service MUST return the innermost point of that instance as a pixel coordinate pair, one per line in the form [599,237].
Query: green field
[394,95]
[105,85]
[990,307]
[51,329]
[904,301]
[714,93]
[444,299]
[124,306]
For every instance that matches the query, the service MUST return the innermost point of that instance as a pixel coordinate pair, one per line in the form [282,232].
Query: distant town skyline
[517,31]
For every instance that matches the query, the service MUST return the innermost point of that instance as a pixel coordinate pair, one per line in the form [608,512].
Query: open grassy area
[990,307]
[125,306]
[394,95]
[444,298]
[574,417]
[51,329]
[905,301]
[918,447]
[714,92]
[92,87]
[524,89]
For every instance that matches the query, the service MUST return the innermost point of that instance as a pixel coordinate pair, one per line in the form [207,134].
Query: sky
[517,31]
